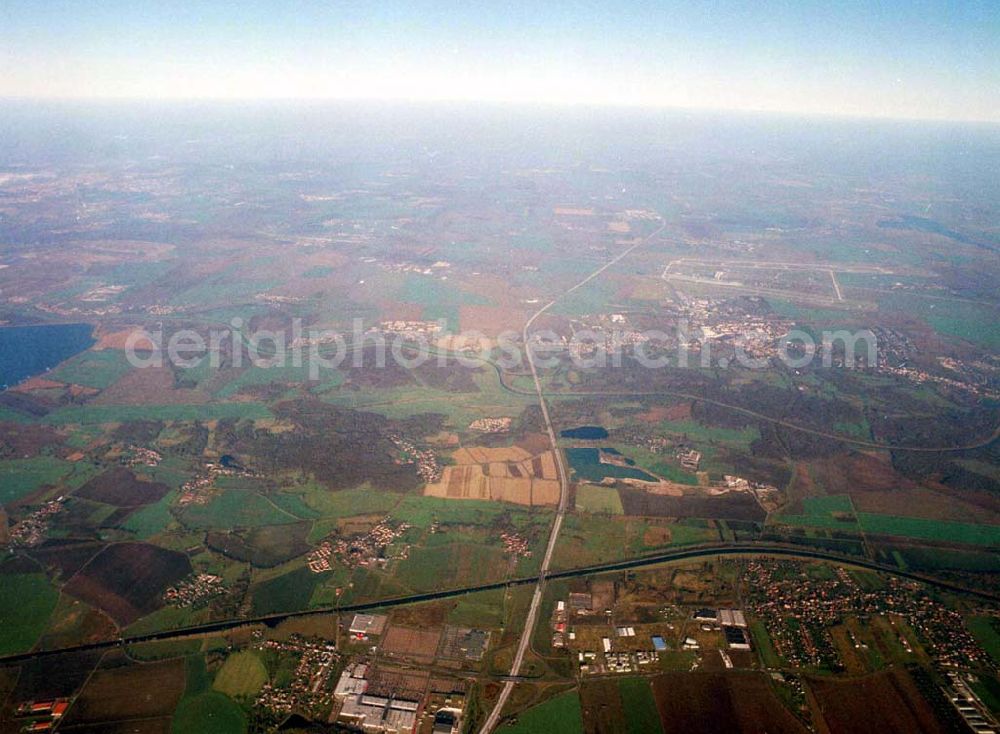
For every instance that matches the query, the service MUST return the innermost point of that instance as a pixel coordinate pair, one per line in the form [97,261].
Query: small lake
[26,351]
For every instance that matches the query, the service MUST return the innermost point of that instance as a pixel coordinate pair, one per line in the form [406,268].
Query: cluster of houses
[194,590]
[782,590]
[515,544]
[141,456]
[363,550]
[491,425]
[310,687]
[425,460]
[30,531]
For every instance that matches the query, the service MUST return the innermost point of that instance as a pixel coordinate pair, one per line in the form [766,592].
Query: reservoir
[590,465]
[26,351]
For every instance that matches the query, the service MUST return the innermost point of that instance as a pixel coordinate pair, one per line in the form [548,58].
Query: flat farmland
[730,506]
[21,477]
[287,592]
[136,691]
[92,369]
[121,488]
[490,320]
[242,674]
[885,702]
[598,500]
[602,707]
[641,714]
[236,508]
[509,474]
[264,547]
[559,715]
[26,603]
[933,530]
[623,706]
[149,386]
[455,564]
[717,703]
[411,642]
[126,580]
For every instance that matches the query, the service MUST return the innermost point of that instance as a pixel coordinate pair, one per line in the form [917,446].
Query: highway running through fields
[536,599]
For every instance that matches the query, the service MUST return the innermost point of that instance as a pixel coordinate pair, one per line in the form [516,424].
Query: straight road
[536,598]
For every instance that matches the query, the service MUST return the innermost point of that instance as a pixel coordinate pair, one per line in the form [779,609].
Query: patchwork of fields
[502,474]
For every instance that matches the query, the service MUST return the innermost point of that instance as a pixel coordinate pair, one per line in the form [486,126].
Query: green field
[151,519]
[936,559]
[288,592]
[208,713]
[641,716]
[456,564]
[293,504]
[970,321]
[164,649]
[687,532]
[227,287]
[589,539]
[349,502]
[922,529]
[764,645]
[691,430]
[598,500]
[560,715]
[987,687]
[422,511]
[461,408]
[833,512]
[26,603]
[242,674]
[482,609]
[987,632]
[810,315]
[89,414]
[259,375]
[236,509]
[92,368]
[439,299]
[20,477]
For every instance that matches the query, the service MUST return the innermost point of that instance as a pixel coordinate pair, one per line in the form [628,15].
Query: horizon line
[509,103]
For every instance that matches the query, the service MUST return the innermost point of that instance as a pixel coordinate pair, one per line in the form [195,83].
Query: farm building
[732,618]
[365,625]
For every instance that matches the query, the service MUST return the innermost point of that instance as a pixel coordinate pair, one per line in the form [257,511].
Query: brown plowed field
[887,702]
[721,703]
[127,580]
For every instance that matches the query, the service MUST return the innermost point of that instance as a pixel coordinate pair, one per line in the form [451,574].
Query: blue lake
[26,351]
[587,465]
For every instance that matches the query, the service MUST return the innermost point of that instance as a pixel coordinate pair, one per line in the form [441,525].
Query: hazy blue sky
[897,58]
